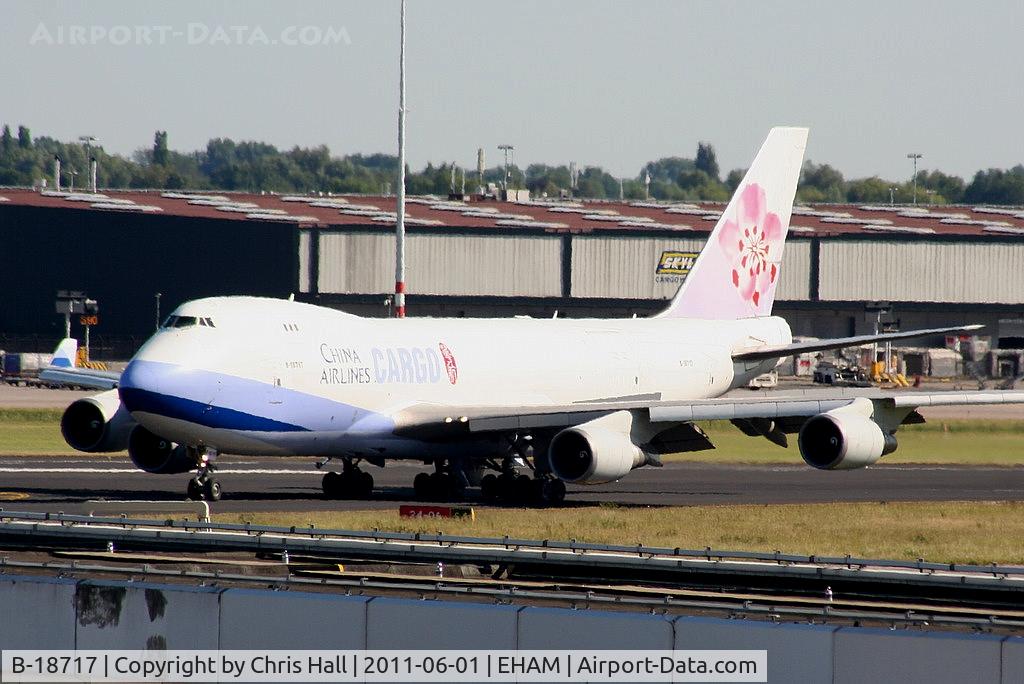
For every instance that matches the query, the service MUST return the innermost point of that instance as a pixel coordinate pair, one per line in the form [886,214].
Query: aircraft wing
[787,409]
[80,377]
[63,371]
[779,351]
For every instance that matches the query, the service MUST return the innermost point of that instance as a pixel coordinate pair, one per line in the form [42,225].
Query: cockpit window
[187,322]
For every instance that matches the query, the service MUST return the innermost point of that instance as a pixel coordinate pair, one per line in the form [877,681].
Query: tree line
[255,166]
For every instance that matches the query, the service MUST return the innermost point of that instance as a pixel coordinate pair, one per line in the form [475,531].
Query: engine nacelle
[596,452]
[98,423]
[157,455]
[844,438]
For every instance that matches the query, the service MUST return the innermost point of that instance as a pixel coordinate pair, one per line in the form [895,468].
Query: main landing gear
[510,487]
[443,484]
[204,486]
[350,483]
[514,488]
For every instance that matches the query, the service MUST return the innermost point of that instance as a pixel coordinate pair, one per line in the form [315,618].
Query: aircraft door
[674,371]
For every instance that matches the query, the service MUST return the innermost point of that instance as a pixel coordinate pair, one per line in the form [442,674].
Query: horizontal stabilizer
[782,350]
[79,377]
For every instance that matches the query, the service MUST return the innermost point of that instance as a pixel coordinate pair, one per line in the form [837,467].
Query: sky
[613,84]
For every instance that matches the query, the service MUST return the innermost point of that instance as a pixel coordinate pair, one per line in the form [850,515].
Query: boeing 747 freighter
[487,401]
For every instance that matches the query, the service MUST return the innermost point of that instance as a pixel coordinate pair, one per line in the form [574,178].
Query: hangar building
[934,265]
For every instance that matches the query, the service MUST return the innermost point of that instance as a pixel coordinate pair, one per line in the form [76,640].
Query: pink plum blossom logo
[449,362]
[751,244]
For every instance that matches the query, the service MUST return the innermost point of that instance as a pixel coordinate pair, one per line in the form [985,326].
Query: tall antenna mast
[400,219]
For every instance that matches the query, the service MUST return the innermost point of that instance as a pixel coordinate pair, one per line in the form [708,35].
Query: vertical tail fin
[65,354]
[737,272]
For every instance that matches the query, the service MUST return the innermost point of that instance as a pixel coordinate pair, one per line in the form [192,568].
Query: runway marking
[13,496]
[136,471]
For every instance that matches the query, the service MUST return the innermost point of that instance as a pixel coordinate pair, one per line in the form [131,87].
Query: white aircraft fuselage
[578,401]
[262,376]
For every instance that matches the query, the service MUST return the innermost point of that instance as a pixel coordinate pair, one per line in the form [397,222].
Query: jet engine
[97,423]
[845,438]
[597,451]
[157,455]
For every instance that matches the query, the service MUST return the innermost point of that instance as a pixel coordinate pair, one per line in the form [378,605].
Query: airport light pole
[400,211]
[88,140]
[506,149]
[915,156]
[157,310]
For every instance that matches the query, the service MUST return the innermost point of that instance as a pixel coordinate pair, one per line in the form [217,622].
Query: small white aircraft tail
[738,270]
[66,353]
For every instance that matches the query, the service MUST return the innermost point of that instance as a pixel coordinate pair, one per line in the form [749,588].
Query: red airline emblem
[449,363]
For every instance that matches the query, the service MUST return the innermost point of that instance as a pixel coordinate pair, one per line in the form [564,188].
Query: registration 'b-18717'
[485,401]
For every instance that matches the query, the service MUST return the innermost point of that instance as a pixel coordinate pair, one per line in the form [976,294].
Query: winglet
[737,272]
[66,353]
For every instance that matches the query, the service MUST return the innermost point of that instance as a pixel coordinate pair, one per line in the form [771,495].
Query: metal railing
[34,528]
[667,605]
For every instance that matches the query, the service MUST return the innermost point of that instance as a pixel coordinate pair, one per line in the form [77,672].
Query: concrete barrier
[200,509]
[1013,660]
[541,628]
[137,615]
[796,653]
[53,613]
[405,624]
[881,655]
[37,612]
[256,618]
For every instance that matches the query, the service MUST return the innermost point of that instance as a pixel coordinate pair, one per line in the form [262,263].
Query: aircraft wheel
[505,486]
[442,486]
[194,491]
[332,485]
[364,483]
[421,484]
[489,487]
[552,491]
[211,490]
[523,489]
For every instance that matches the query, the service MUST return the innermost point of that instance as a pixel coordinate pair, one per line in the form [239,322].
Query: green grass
[29,432]
[30,415]
[948,532]
[32,432]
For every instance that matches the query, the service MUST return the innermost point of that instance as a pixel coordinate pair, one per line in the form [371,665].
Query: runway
[272,484]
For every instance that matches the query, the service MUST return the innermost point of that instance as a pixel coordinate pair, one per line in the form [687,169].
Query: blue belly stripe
[201,414]
[226,401]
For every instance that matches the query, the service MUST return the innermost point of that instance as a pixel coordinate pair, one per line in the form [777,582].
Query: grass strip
[29,432]
[947,532]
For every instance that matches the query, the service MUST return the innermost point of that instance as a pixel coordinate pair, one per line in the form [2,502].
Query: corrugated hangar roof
[549,215]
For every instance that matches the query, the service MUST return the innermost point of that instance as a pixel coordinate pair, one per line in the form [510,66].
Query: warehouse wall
[122,260]
[499,265]
[52,613]
[625,267]
[922,271]
[304,258]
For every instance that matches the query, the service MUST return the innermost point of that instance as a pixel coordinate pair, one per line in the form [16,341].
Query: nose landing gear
[204,486]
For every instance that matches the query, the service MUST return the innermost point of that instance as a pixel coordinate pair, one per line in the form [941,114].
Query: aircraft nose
[139,380]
